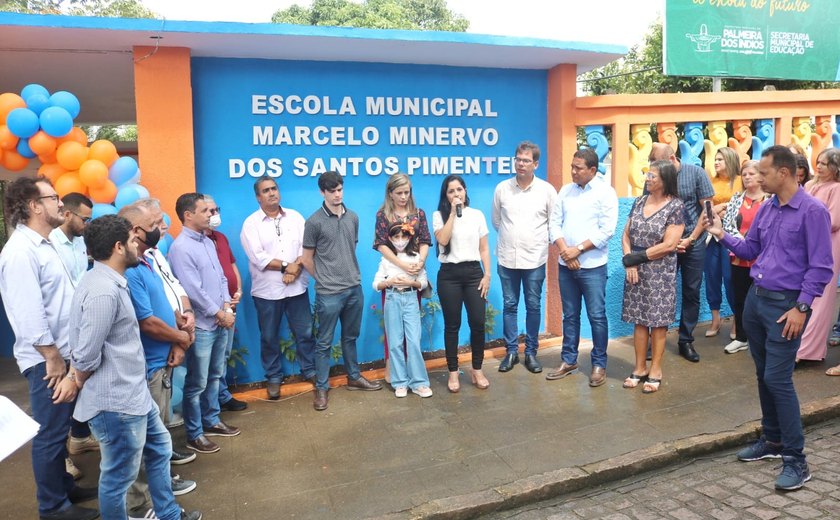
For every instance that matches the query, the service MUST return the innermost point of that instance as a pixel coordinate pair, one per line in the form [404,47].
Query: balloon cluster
[39,124]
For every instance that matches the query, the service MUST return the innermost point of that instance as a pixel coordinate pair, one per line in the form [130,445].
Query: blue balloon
[34,88]
[178,376]
[100,210]
[24,149]
[165,242]
[123,171]
[130,193]
[56,122]
[67,101]
[37,103]
[23,123]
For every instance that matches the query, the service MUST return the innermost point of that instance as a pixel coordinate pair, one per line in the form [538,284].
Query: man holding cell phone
[695,190]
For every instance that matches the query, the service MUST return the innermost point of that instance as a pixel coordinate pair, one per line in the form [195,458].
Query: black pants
[741,283]
[457,286]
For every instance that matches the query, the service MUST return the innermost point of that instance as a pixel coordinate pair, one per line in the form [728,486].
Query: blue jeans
[205,366]
[49,448]
[717,269]
[224,393]
[774,358]
[531,281]
[691,272]
[299,318]
[123,441]
[591,286]
[346,307]
[402,325]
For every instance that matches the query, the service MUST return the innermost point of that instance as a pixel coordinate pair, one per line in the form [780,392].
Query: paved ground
[460,455]
[717,486]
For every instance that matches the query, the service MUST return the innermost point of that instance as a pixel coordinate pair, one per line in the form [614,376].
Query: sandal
[833,371]
[453,384]
[633,380]
[651,385]
[834,341]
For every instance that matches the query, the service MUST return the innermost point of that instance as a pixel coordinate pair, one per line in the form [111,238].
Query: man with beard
[111,377]
[37,294]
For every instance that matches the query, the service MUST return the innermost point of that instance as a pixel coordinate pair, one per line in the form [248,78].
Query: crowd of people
[98,345]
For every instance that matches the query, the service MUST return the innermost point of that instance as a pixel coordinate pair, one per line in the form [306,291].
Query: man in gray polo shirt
[329,254]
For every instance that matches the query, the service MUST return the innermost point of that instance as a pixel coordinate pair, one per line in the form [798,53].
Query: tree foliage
[424,15]
[104,8]
[640,72]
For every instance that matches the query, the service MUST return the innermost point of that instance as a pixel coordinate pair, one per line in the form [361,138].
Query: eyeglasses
[520,160]
[216,211]
[53,197]
[277,227]
[85,220]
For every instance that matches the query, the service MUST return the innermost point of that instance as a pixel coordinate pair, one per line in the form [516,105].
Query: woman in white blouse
[461,234]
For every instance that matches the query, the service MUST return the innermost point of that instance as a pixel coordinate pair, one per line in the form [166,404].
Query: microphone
[458,210]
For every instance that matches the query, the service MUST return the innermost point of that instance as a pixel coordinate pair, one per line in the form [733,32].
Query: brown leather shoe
[362,384]
[560,372]
[202,444]
[221,429]
[598,376]
[321,400]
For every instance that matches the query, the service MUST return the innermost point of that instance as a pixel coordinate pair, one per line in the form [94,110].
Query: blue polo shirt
[149,299]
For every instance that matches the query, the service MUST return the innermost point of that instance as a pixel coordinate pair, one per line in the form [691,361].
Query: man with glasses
[226,400]
[195,262]
[37,294]
[272,238]
[70,245]
[582,223]
[521,209]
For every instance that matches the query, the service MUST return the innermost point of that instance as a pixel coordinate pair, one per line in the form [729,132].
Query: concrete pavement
[466,454]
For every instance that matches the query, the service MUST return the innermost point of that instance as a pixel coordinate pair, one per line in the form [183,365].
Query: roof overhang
[92,57]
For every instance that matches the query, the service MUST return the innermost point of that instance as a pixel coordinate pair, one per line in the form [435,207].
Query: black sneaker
[234,405]
[181,486]
[192,515]
[179,458]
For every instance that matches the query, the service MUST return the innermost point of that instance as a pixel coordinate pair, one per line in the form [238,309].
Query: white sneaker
[422,391]
[71,468]
[736,346]
[401,391]
[77,446]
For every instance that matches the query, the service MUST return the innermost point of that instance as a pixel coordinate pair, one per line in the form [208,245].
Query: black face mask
[152,237]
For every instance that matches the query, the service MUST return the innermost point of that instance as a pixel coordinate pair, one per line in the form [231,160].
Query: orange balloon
[71,155]
[76,135]
[93,173]
[8,102]
[42,144]
[104,195]
[14,161]
[8,141]
[51,171]
[103,150]
[69,183]
[45,159]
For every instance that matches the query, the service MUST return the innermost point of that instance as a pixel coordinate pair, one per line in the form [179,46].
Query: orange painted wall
[163,93]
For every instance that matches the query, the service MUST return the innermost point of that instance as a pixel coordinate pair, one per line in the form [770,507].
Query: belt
[401,289]
[776,295]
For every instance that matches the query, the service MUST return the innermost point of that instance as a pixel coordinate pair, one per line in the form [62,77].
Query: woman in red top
[739,216]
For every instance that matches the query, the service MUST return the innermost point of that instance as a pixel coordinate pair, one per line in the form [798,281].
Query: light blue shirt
[73,254]
[581,214]
[37,294]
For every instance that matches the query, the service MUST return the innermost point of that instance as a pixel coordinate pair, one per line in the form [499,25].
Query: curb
[568,480]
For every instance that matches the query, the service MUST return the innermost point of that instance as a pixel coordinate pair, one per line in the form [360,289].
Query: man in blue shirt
[582,222]
[196,264]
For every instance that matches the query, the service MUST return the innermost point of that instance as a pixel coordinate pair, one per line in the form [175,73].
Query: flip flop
[633,380]
[651,385]
[833,371]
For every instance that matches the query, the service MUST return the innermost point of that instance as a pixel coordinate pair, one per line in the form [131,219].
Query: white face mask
[399,244]
[215,221]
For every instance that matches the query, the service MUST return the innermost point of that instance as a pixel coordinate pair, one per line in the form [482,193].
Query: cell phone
[709,213]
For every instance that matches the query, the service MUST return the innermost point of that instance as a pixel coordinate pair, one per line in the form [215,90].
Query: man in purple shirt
[195,262]
[791,242]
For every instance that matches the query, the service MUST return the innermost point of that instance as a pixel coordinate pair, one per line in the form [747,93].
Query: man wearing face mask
[164,345]
[226,400]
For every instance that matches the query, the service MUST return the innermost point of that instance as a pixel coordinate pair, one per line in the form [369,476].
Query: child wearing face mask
[402,313]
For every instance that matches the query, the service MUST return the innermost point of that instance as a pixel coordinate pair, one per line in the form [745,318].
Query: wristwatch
[283,266]
[802,307]
[580,248]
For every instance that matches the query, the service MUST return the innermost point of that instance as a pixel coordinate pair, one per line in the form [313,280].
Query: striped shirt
[105,340]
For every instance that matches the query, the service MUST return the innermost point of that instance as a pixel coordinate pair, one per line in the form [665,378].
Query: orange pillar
[561,143]
[166,152]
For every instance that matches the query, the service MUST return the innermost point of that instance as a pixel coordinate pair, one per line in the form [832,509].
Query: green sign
[779,39]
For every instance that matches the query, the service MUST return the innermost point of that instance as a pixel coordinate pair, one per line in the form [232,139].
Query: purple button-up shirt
[194,261]
[792,244]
